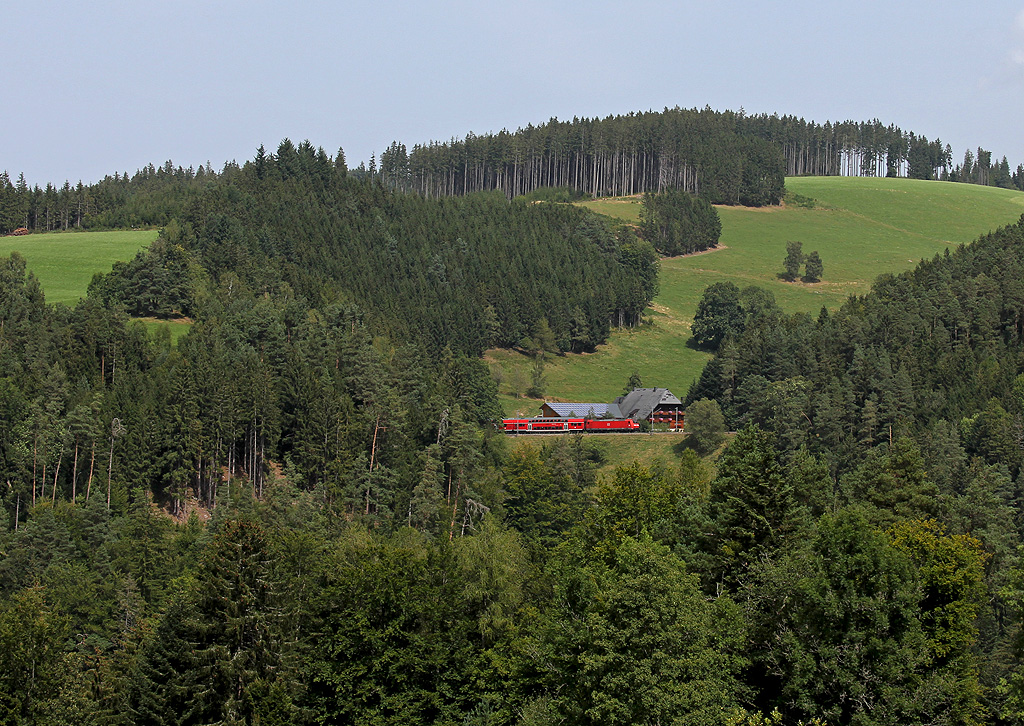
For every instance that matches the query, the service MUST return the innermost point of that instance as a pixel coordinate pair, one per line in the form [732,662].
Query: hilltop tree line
[852,148]
[719,156]
[703,152]
[724,157]
[150,197]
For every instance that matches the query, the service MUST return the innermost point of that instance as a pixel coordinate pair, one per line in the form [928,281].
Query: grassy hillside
[65,262]
[861,228]
[614,450]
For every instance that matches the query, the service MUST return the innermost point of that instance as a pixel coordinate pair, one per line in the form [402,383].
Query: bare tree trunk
[60,457]
[110,468]
[373,451]
[74,476]
[35,441]
[455,510]
[92,465]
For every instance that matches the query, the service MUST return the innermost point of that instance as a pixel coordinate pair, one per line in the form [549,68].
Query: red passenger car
[615,425]
[559,425]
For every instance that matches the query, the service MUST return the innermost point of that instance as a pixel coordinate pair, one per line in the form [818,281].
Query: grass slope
[615,450]
[861,227]
[65,262]
[173,329]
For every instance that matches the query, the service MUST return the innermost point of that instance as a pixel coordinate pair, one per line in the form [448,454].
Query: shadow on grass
[689,443]
[686,443]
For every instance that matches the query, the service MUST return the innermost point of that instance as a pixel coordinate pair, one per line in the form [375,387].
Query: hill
[861,227]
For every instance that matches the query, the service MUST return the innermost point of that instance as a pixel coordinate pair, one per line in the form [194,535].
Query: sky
[111,85]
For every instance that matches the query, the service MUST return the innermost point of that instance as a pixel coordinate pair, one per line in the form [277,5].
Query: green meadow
[64,262]
[174,328]
[861,227]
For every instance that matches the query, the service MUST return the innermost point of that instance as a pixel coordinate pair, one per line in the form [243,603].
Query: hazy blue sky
[93,88]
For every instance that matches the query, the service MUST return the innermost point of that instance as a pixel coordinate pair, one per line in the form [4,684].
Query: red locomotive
[555,425]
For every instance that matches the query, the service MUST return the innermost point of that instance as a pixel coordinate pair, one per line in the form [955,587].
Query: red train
[554,425]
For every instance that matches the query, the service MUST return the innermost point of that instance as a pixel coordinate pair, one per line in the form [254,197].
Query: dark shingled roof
[582,410]
[641,402]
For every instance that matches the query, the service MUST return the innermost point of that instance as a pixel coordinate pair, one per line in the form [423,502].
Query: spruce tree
[752,502]
[794,258]
[814,269]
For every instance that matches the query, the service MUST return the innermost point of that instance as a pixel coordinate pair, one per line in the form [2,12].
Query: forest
[301,512]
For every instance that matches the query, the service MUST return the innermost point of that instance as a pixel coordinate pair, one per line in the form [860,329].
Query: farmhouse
[656,405]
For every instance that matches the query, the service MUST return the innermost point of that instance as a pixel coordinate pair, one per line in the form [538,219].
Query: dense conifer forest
[302,511]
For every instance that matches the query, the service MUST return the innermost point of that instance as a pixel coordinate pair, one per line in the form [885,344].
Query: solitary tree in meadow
[794,258]
[814,269]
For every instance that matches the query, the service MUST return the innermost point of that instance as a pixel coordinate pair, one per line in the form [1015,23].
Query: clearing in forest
[65,262]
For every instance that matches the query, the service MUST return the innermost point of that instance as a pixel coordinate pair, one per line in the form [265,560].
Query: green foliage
[850,647]
[924,157]
[814,269]
[395,645]
[894,481]
[706,424]
[495,567]
[163,282]
[542,498]
[538,382]
[752,502]
[719,314]
[633,640]
[793,260]
[951,571]
[560,195]
[217,654]
[637,501]
[633,383]
[678,223]
[33,664]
